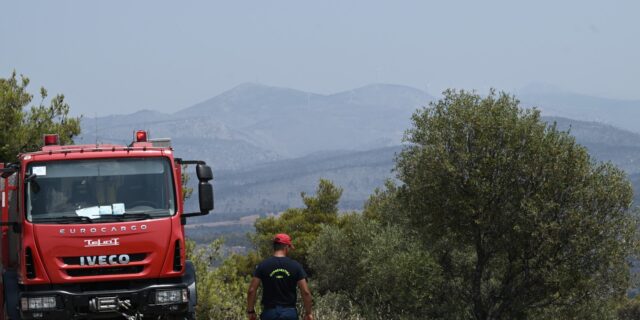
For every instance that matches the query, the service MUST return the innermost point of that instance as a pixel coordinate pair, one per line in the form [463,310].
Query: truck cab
[97,231]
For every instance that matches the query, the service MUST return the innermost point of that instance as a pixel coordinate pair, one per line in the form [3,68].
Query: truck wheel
[5,315]
[11,291]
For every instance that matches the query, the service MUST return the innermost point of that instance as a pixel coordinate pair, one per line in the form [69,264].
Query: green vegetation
[303,225]
[515,211]
[222,289]
[21,130]
[629,309]
[498,216]
[187,191]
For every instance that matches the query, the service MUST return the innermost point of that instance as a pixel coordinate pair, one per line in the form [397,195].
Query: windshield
[80,191]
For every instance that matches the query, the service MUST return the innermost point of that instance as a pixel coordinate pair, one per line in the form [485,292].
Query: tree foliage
[221,289]
[498,216]
[382,270]
[185,177]
[303,225]
[514,210]
[21,129]
[629,309]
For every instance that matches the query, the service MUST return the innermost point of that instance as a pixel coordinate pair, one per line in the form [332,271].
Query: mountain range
[252,124]
[268,144]
[556,102]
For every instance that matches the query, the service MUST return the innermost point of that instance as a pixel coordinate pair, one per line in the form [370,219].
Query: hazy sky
[120,56]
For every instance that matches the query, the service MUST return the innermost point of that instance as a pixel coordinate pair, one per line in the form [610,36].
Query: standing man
[279,276]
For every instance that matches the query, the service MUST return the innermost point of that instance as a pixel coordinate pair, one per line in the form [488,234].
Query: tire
[11,291]
[5,315]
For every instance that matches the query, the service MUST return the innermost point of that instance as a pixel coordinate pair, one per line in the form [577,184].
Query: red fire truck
[97,232]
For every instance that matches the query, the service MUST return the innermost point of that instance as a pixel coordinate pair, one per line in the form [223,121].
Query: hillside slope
[275,186]
[251,123]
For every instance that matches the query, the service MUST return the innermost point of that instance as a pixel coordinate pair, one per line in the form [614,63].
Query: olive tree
[22,127]
[514,210]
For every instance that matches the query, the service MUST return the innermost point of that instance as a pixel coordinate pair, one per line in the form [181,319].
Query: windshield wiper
[134,215]
[65,219]
[148,212]
[125,217]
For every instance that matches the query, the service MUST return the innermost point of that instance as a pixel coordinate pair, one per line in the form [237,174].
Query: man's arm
[306,298]
[251,296]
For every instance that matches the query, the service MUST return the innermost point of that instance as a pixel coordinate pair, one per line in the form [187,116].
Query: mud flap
[11,293]
[190,278]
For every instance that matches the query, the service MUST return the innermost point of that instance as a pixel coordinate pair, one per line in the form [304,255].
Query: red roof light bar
[51,140]
[141,136]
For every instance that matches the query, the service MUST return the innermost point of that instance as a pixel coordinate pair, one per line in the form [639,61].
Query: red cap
[284,239]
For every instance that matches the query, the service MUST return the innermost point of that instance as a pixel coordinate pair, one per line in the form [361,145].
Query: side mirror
[205,197]
[205,191]
[204,172]
[9,170]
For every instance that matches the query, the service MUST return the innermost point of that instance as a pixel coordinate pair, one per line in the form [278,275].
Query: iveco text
[104,260]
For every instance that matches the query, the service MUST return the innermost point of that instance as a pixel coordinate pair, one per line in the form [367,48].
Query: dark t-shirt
[279,276]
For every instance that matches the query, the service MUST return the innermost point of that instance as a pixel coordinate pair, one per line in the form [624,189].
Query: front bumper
[133,298]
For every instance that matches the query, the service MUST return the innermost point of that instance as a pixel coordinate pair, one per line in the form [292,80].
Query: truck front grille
[104,271]
[133,257]
[74,266]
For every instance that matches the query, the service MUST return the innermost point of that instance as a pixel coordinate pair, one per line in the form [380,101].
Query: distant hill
[608,143]
[275,186]
[605,142]
[554,102]
[252,123]
[267,144]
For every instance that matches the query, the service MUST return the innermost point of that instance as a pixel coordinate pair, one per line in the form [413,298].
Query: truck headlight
[37,303]
[172,296]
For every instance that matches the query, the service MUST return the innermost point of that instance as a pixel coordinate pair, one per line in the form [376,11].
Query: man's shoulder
[295,262]
[294,265]
[267,262]
[262,263]
[290,261]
